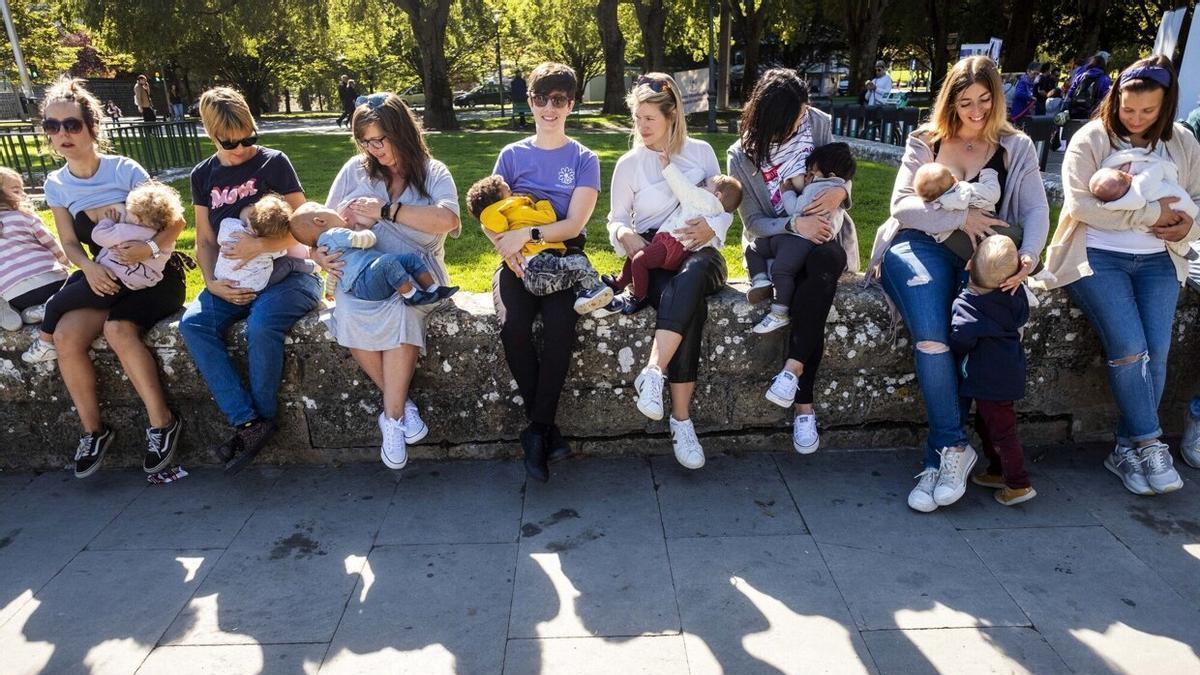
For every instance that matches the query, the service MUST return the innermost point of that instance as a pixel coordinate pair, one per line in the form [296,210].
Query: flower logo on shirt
[566,175]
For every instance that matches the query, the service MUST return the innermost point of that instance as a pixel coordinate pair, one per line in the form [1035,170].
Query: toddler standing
[32,263]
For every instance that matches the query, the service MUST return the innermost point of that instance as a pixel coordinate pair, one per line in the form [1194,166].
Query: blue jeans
[922,278]
[1130,301]
[380,279]
[271,314]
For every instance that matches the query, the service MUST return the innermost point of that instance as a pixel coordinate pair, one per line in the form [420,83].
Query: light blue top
[111,184]
[341,240]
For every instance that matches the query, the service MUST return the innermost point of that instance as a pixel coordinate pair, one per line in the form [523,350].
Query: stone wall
[867,393]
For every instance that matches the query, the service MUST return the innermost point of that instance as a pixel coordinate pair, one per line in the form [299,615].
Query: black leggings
[789,252]
[679,298]
[539,376]
[816,285]
[37,296]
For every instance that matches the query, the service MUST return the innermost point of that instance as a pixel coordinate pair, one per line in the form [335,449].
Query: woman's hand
[1167,216]
[815,228]
[365,211]
[101,279]
[130,252]
[1013,283]
[228,290]
[827,202]
[243,247]
[332,264]
[631,241]
[663,159]
[695,233]
[509,244]
[980,225]
[1177,231]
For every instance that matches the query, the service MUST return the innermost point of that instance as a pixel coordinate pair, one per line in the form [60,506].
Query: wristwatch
[535,235]
[155,251]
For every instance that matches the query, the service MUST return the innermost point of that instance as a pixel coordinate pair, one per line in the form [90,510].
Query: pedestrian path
[759,563]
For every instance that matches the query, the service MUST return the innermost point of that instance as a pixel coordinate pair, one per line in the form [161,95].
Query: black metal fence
[157,146]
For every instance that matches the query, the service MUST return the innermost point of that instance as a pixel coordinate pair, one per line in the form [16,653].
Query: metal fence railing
[157,146]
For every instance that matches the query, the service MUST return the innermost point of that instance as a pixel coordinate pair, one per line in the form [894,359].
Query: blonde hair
[669,103]
[995,260]
[269,216]
[68,89]
[23,206]
[944,121]
[225,114]
[155,204]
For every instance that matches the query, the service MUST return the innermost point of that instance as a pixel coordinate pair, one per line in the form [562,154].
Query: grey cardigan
[759,218]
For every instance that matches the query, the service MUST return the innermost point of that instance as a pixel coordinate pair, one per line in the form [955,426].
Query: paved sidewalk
[760,563]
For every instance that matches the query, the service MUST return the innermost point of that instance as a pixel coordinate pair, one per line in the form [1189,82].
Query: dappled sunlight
[103,657]
[205,612]
[360,565]
[15,604]
[567,622]
[434,659]
[190,567]
[1192,550]
[937,615]
[23,655]
[1128,650]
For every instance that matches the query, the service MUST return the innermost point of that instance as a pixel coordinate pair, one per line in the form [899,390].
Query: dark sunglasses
[558,100]
[71,125]
[656,85]
[245,142]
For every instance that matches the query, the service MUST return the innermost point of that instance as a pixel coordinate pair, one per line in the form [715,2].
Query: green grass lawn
[470,156]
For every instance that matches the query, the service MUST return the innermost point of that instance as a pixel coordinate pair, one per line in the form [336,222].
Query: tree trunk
[652,17]
[864,24]
[1022,36]
[940,53]
[428,19]
[613,43]
[1091,15]
[748,25]
[723,53]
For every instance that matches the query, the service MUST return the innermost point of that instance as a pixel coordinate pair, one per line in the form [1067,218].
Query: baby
[719,194]
[149,208]
[941,186]
[549,267]
[368,275]
[1130,179]
[268,218]
[829,166]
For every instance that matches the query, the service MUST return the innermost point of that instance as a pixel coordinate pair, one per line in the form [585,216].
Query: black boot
[533,442]
[559,448]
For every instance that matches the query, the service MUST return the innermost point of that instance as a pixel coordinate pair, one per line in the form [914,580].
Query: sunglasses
[245,142]
[558,100]
[373,143]
[71,125]
[656,85]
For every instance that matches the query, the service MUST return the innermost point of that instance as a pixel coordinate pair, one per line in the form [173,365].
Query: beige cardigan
[1066,257]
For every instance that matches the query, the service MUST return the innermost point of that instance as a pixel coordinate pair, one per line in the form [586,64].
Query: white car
[414,95]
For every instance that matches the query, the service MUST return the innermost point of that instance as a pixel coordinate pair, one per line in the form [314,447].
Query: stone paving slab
[1053,506]
[659,655]
[963,651]
[12,484]
[586,500]
[235,660]
[456,503]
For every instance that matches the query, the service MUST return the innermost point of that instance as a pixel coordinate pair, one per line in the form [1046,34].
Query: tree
[429,19]
[748,18]
[863,20]
[613,44]
[41,44]
[652,18]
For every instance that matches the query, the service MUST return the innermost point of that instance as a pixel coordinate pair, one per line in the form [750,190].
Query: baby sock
[412,290]
[780,310]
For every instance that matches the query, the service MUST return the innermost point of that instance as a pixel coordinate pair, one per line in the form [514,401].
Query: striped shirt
[27,252]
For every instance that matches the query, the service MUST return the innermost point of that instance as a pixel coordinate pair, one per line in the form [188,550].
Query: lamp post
[499,70]
[18,58]
[712,73]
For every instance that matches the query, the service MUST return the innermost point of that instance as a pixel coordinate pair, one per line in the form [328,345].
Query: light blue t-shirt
[549,174]
[111,184]
[337,240]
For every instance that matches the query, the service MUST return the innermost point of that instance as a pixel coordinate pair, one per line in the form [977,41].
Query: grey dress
[387,324]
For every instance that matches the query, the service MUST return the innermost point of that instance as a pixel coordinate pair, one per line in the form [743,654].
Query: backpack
[1083,99]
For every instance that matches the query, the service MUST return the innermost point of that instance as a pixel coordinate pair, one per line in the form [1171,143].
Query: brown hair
[484,193]
[155,204]
[401,129]
[932,180]
[1163,128]
[74,90]
[770,114]
[9,204]
[225,114]
[669,104]
[269,216]
[550,77]
[729,190]
[944,121]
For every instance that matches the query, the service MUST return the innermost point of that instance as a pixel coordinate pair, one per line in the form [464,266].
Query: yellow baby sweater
[518,212]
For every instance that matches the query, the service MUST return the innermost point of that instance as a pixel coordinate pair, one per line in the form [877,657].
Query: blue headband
[372,101]
[1153,73]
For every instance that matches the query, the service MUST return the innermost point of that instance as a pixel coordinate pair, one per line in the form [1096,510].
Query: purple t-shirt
[549,174]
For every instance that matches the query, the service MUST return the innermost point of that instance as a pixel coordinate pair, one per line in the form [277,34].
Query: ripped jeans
[922,278]
[1130,300]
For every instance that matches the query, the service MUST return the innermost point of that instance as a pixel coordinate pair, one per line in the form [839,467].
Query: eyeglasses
[558,100]
[71,125]
[373,143]
[245,142]
[656,85]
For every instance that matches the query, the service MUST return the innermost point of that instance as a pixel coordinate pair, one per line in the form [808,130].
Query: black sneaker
[559,448]
[161,444]
[226,450]
[253,437]
[91,451]
[534,445]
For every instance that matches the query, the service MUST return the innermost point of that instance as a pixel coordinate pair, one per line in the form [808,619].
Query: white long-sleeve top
[255,274]
[642,200]
[982,194]
[1154,177]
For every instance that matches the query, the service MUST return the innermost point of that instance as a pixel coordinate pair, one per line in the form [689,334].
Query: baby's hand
[663,160]
[112,213]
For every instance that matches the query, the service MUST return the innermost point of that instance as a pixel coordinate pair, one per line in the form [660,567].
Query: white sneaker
[783,389]
[760,291]
[393,452]
[1189,447]
[687,447]
[921,497]
[952,476]
[771,322]
[1159,468]
[649,386]
[1126,464]
[805,438]
[34,314]
[415,428]
[40,352]
[10,319]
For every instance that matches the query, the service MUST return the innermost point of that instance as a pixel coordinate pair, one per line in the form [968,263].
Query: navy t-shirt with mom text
[226,190]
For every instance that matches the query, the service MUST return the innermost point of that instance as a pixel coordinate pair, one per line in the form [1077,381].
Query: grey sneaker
[10,319]
[1127,465]
[1189,447]
[952,476]
[921,497]
[1160,470]
[33,314]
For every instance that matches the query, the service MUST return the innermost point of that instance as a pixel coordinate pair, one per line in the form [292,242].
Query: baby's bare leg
[425,279]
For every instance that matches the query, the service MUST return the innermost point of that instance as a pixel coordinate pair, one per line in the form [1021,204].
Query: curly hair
[68,89]
[484,193]
[156,205]
[269,216]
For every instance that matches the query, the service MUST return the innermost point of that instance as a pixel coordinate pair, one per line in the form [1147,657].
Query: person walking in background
[520,106]
[141,98]
[347,93]
[176,102]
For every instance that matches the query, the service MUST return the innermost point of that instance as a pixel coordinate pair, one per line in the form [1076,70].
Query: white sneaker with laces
[783,389]
[687,447]
[394,453]
[649,386]
[1159,468]
[771,322]
[415,428]
[805,438]
[33,314]
[952,476]
[10,319]
[40,352]
[921,497]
